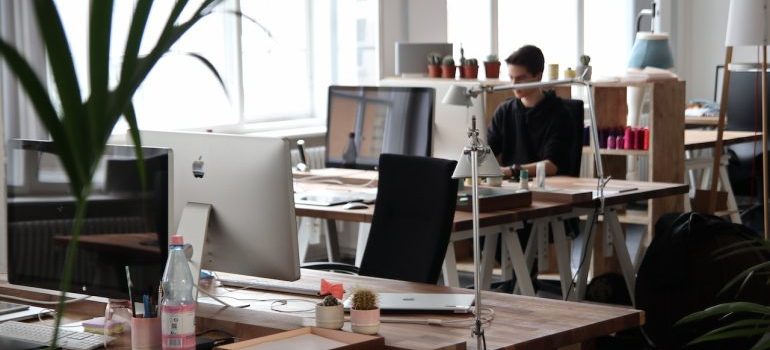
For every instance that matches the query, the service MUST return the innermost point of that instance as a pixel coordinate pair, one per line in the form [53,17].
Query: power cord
[589,232]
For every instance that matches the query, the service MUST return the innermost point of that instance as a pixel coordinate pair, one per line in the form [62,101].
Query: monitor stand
[193,225]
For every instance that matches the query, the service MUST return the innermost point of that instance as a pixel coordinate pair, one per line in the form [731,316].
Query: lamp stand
[764,141]
[473,150]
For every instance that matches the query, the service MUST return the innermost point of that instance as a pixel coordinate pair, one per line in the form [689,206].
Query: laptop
[428,302]
[329,198]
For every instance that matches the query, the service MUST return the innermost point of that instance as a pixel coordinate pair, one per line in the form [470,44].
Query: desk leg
[488,259]
[724,179]
[449,268]
[542,246]
[562,256]
[363,237]
[332,242]
[611,219]
[518,260]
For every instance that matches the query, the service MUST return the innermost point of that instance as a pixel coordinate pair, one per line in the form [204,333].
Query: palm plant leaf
[724,309]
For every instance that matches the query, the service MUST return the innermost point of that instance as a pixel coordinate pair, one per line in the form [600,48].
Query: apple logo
[197,167]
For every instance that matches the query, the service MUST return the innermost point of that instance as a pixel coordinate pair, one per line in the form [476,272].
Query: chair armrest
[332,266]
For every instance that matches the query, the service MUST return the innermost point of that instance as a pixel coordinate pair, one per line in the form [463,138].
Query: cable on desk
[42,302]
[53,313]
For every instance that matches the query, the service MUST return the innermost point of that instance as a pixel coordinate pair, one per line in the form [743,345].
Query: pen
[130,296]
[147,305]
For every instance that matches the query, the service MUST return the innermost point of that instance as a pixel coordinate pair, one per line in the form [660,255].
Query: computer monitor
[125,224]
[364,121]
[247,182]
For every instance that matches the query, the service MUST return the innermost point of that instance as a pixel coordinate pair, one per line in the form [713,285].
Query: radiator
[314,156]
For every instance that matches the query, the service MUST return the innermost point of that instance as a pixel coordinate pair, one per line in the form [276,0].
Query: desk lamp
[477,160]
[747,25]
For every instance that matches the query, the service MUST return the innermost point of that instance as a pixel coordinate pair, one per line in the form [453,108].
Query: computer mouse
[354,205]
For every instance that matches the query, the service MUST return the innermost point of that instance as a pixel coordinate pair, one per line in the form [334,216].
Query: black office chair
[413,217]
[576,111]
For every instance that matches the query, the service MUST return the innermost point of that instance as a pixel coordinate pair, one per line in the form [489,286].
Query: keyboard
[273,285]
[332,197]
[42,334]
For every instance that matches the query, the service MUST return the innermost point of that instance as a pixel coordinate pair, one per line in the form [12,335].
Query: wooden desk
[706,121]
[520,322]
[699,139]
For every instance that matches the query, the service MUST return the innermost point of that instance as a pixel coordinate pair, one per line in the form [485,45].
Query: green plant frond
[130,117]
[252,20]
[211,69]
[44,108]
[135,36]
[727,308]
[60,58]
[99,33]
[730,334]
[750,323]
[144,65]
[744,274]
[743,250]
[741,244]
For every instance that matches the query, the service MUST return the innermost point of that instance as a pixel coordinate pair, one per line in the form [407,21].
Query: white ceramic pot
[331,317]
[365,321]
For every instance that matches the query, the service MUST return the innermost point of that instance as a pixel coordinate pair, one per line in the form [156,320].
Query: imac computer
[364,121]
[233,201]
[126,224]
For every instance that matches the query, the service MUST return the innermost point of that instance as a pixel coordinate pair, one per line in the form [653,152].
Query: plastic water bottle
[177,309]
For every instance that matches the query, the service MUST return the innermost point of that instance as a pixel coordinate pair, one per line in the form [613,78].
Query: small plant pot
[492,70]
[365,321]
[448,71]
[471,72]
[434,71]
[331,317]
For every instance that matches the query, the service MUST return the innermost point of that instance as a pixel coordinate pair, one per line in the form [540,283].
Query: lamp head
[457,95]
[747,23]
[487,164]
[651,50]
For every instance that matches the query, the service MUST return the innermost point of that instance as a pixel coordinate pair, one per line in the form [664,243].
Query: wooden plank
[666,162]
[700,139]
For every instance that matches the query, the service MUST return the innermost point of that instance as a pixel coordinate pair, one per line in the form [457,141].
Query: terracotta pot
[492,70]
[434,71]
[471,72]
[448,71]
[365,321]
[331,317]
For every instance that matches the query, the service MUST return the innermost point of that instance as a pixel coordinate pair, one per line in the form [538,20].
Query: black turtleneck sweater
[524,135]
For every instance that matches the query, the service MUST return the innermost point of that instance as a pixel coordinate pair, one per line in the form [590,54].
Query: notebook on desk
[423,302]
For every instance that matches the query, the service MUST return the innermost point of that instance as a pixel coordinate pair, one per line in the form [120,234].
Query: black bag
[682,273]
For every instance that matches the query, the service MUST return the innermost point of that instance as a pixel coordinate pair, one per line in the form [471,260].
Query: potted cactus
[434,65]
[462,62]
[471,68]
[492,67]
[364,312]
[329,313]
[448,67]
[583,69]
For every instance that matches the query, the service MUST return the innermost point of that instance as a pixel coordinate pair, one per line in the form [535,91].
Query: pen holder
[145,333]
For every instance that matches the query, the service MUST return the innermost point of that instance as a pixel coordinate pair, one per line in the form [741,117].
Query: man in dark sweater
[535,126]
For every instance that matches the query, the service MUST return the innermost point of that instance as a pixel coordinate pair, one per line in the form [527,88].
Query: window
[276,69]
[548,24]
[551,25]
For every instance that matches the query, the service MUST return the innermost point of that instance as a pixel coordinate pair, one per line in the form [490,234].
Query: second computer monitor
[364,121]
[248,183]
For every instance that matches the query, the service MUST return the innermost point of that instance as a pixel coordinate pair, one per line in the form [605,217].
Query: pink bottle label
[178,326]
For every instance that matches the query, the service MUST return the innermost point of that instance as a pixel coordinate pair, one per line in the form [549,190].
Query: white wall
[704,23]
[409,21]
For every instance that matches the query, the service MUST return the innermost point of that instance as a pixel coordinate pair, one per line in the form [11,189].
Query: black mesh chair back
[413,216]
[576,111]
